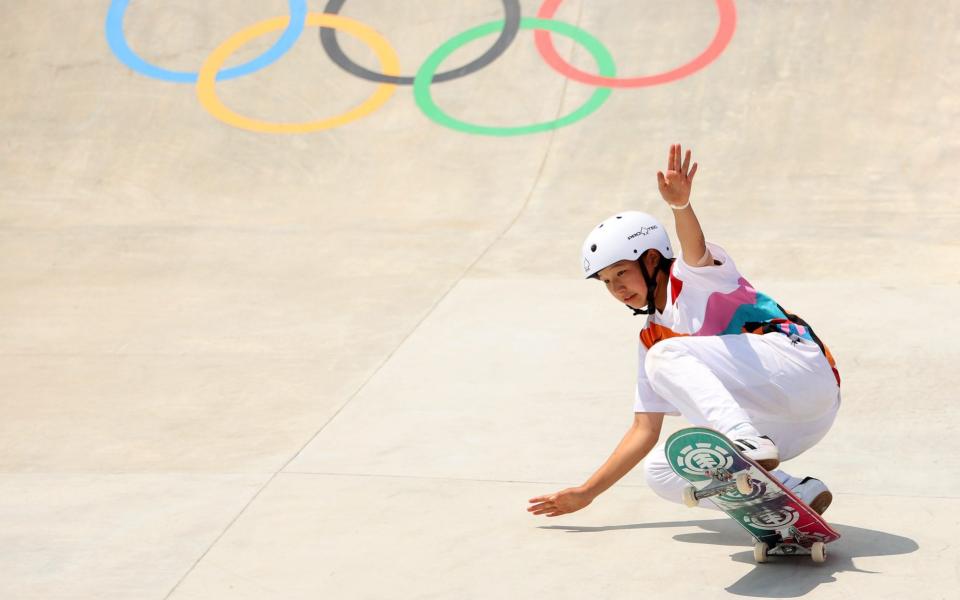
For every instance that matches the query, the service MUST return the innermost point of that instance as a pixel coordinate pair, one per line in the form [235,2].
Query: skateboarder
[713,349]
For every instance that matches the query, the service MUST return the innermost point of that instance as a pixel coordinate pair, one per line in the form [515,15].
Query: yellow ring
[206,79]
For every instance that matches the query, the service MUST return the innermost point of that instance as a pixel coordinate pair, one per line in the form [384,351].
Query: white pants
[762,383]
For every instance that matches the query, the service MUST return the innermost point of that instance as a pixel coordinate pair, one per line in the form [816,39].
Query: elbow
[649,424]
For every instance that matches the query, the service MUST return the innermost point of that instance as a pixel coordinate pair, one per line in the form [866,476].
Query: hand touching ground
[560,503]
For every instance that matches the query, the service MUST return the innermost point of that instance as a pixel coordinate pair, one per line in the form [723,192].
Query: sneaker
[761,449]
[815,493]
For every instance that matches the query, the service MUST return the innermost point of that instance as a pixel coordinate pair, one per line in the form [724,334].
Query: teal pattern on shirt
[763,310]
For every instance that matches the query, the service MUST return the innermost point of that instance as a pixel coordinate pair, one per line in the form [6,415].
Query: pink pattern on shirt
[721,307]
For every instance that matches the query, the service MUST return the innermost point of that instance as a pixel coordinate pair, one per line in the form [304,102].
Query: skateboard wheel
[818,552]
[743,483]
[760,552]
[690,496]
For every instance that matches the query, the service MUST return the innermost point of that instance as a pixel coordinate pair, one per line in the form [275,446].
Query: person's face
[625,282]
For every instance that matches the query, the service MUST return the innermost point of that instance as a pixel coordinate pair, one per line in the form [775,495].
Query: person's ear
[651,260]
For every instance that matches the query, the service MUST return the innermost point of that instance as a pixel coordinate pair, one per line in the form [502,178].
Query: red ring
[728,22]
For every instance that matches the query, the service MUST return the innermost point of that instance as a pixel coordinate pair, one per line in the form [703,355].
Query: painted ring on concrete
[118,44]
[206,84]
[511,20]
[421,85]
[728,22]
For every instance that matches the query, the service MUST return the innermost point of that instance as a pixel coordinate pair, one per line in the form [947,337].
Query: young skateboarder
[713,349]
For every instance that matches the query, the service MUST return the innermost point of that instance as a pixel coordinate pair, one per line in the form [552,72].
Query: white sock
[743,430]
[788,480]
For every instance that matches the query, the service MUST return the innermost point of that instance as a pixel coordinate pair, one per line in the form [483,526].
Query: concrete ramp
[291,317]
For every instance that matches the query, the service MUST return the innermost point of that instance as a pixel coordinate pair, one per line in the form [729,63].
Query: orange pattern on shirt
[654,332]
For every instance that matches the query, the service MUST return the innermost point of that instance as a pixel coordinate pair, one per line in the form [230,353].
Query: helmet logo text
[643,231]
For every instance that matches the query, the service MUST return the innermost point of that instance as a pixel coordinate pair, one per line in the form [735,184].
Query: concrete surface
[337,364]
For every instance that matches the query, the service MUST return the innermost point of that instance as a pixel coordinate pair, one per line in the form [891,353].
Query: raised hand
[675,185]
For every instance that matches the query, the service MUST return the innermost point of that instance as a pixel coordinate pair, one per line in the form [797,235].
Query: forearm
[675,187]
[634,446]
[692,242]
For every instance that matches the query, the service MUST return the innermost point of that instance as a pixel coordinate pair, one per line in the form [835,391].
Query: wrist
[680,206]
[587,490]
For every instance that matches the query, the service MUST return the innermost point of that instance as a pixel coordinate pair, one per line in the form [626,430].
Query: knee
[659,476]
[659,357]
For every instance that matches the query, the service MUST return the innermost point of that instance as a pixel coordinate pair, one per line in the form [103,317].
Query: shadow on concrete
[782,577]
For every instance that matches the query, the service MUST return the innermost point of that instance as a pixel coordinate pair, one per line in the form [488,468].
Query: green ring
[421,83]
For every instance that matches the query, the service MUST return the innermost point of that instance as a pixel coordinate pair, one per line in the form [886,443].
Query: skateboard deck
[777,519]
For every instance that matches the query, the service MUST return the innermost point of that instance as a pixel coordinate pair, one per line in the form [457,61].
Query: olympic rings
[328,37]
[421,86]
[389,77]
[118,44]
[207,93]
[728,22]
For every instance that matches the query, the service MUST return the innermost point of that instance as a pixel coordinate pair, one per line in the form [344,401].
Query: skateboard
[779,521]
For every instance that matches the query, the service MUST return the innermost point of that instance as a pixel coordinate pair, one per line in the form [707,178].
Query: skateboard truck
[793,543]
[723,481]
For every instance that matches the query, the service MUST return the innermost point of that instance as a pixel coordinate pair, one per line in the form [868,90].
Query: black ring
[511,25]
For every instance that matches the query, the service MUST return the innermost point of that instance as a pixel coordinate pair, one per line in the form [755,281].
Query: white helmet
[624,236]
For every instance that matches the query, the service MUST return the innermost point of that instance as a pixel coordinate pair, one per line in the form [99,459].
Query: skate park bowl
[291,303]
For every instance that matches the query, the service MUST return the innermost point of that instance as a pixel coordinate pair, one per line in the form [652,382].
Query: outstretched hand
[560,503]
[675,185]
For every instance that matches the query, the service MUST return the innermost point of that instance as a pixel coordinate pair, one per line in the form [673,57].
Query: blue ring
[118,43]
